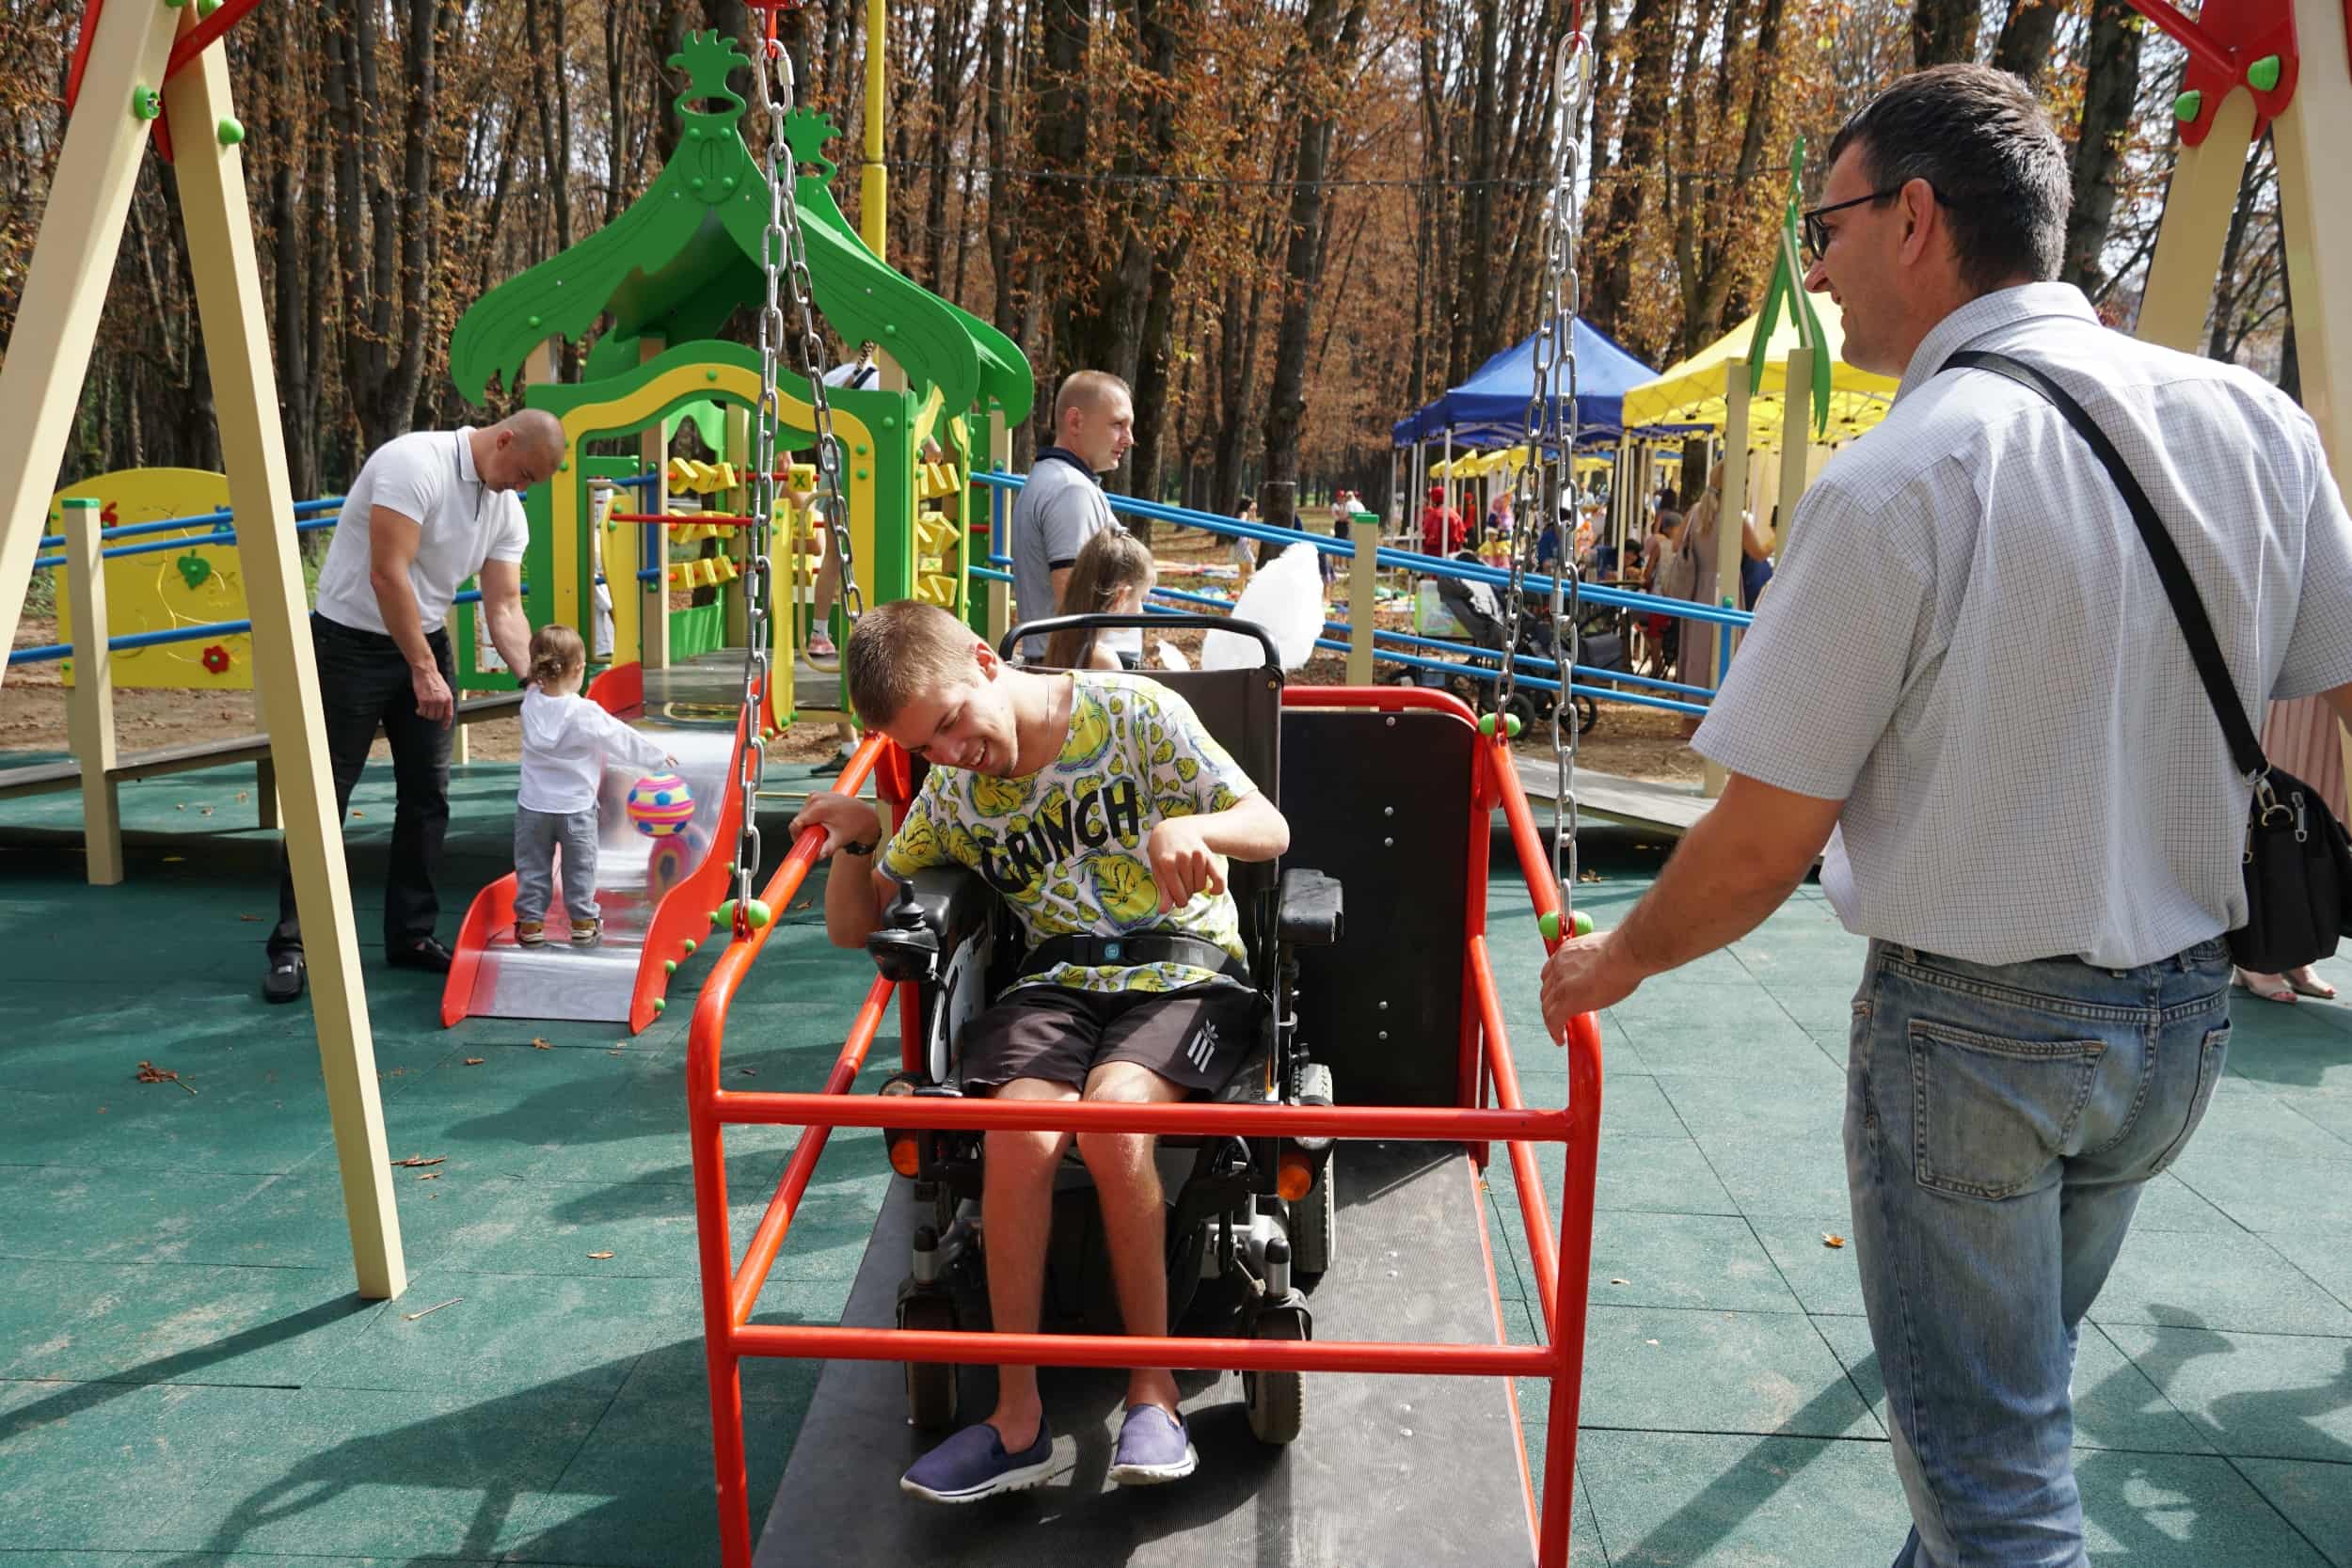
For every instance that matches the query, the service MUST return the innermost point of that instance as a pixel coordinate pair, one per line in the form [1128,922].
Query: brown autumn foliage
[1288,222]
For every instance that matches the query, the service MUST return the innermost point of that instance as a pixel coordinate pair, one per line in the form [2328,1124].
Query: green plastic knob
[690,945]
[146,104]
[2186,107]
[669,966]
[173,5]
[1548,923]
[859,449]
[660,1004]
[697,182]
[890,329]
[535,320]
[1510,724]
[728,184]
[756,914]
[230,131]
[206,8]
[890,422]
[710,375]
[861,473]
[721,915]
[2263,75]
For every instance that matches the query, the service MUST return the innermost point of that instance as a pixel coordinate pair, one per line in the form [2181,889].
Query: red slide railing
[1562,1259]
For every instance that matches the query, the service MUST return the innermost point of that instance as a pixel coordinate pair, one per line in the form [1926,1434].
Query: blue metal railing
[177,634]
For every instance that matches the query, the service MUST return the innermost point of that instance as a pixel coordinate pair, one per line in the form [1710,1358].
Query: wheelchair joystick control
[904,947]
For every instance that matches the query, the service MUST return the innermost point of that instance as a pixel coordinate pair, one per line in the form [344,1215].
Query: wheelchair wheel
[1311,1222]
[1277,1400]
[1587,714]
[931,1385]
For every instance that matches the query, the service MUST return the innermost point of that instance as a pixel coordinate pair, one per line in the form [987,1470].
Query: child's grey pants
[536,834]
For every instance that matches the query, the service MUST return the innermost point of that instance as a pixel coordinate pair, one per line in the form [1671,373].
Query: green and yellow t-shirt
[1065,846]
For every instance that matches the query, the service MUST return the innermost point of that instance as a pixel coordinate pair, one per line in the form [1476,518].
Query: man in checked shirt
[1970,688]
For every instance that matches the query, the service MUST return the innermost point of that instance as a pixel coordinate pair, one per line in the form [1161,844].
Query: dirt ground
[1634,742]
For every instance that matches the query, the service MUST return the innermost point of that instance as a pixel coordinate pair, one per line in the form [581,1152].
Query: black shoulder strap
[2179,587]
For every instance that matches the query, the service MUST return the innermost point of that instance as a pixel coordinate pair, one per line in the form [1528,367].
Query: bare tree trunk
[1326,31]
[2022,48]
[1943,31]
[2109,88]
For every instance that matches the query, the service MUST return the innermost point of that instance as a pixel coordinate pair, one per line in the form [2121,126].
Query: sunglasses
[1817,233]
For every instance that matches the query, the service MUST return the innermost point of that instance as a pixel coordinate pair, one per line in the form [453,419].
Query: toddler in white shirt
[567,740]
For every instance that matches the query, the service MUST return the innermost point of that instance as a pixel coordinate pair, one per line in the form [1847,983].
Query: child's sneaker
[820,644]
[531,933]
[584,932]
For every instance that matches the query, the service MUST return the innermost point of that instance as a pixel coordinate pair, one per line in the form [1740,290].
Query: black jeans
[363,682]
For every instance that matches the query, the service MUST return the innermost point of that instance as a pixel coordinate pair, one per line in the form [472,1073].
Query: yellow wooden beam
[65,291]
[90,706]
[230,307]
[2197,207]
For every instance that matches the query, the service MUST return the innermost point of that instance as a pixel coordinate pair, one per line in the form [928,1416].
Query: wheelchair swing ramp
[1389,1468]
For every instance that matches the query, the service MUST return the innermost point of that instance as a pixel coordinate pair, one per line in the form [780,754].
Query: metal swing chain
[1575,88]
[1546,480]
[782,254]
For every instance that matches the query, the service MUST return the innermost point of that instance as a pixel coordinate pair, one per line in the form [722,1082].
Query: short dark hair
[1982,139]
[902,651]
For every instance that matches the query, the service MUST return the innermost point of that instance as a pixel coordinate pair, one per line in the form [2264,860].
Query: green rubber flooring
[186,1376]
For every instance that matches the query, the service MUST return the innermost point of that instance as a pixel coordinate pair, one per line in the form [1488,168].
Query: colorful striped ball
[661,805]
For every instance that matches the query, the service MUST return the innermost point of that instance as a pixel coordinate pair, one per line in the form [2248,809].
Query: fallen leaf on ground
[804,903]
[1829,1240]
[150,1073]
[412,1317]
[474,1061]
[421,1160]
[206,810]
[430,1176]
[358,813]
[1621,1282]
[538,1044]
[600,1255]
[748,1071]
[255,918]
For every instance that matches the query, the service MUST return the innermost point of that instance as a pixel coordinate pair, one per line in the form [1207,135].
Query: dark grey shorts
[1194,1037]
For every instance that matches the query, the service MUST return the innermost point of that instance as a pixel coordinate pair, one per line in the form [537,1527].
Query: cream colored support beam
[2196,208]
[230,307]
[1730,538]
[91,705]
[73,258]
[1796,427]
[2317,224]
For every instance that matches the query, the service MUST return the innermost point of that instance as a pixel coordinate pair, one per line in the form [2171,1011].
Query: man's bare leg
[1017,1215]
[1133,1224]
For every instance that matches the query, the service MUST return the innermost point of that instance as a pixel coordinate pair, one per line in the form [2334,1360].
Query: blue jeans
[1999,1124]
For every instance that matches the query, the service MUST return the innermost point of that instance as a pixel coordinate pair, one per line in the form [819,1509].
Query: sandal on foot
[2272,988]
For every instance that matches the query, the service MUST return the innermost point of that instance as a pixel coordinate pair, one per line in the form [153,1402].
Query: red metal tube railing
[731,1290]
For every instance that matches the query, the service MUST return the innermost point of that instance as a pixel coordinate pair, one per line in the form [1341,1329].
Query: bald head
[521,450]
[1094,416]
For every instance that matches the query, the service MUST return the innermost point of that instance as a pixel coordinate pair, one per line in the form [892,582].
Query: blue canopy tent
[1490,408]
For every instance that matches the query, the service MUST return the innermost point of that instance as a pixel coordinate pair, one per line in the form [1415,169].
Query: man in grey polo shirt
[1969,670]
[1061,507]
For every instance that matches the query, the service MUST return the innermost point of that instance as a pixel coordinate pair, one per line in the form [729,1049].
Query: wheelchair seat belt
[1149,947]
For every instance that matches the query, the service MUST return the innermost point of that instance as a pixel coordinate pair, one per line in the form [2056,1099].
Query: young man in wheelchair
[1102,810]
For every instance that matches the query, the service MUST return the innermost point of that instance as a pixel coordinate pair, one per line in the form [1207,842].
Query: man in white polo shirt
[427,512]
[1970,669]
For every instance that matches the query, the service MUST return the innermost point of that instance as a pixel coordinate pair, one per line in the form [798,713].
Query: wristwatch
[853,847]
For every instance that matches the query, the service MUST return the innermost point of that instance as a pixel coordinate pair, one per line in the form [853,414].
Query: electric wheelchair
[1254,1216]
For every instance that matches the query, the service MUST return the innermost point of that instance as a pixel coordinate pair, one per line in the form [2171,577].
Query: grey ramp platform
[1389,1470]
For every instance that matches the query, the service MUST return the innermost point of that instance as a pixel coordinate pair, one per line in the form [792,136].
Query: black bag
[2297,861]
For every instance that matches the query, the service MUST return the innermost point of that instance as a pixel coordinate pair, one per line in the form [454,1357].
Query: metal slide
[655,892]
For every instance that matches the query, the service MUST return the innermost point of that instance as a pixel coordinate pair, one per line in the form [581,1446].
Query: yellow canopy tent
[1696,391]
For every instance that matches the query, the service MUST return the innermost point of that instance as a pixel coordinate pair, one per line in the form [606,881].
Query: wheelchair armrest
[1309,915]
[936,909]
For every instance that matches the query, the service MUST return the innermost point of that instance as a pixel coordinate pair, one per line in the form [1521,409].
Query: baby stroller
[1477,609]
